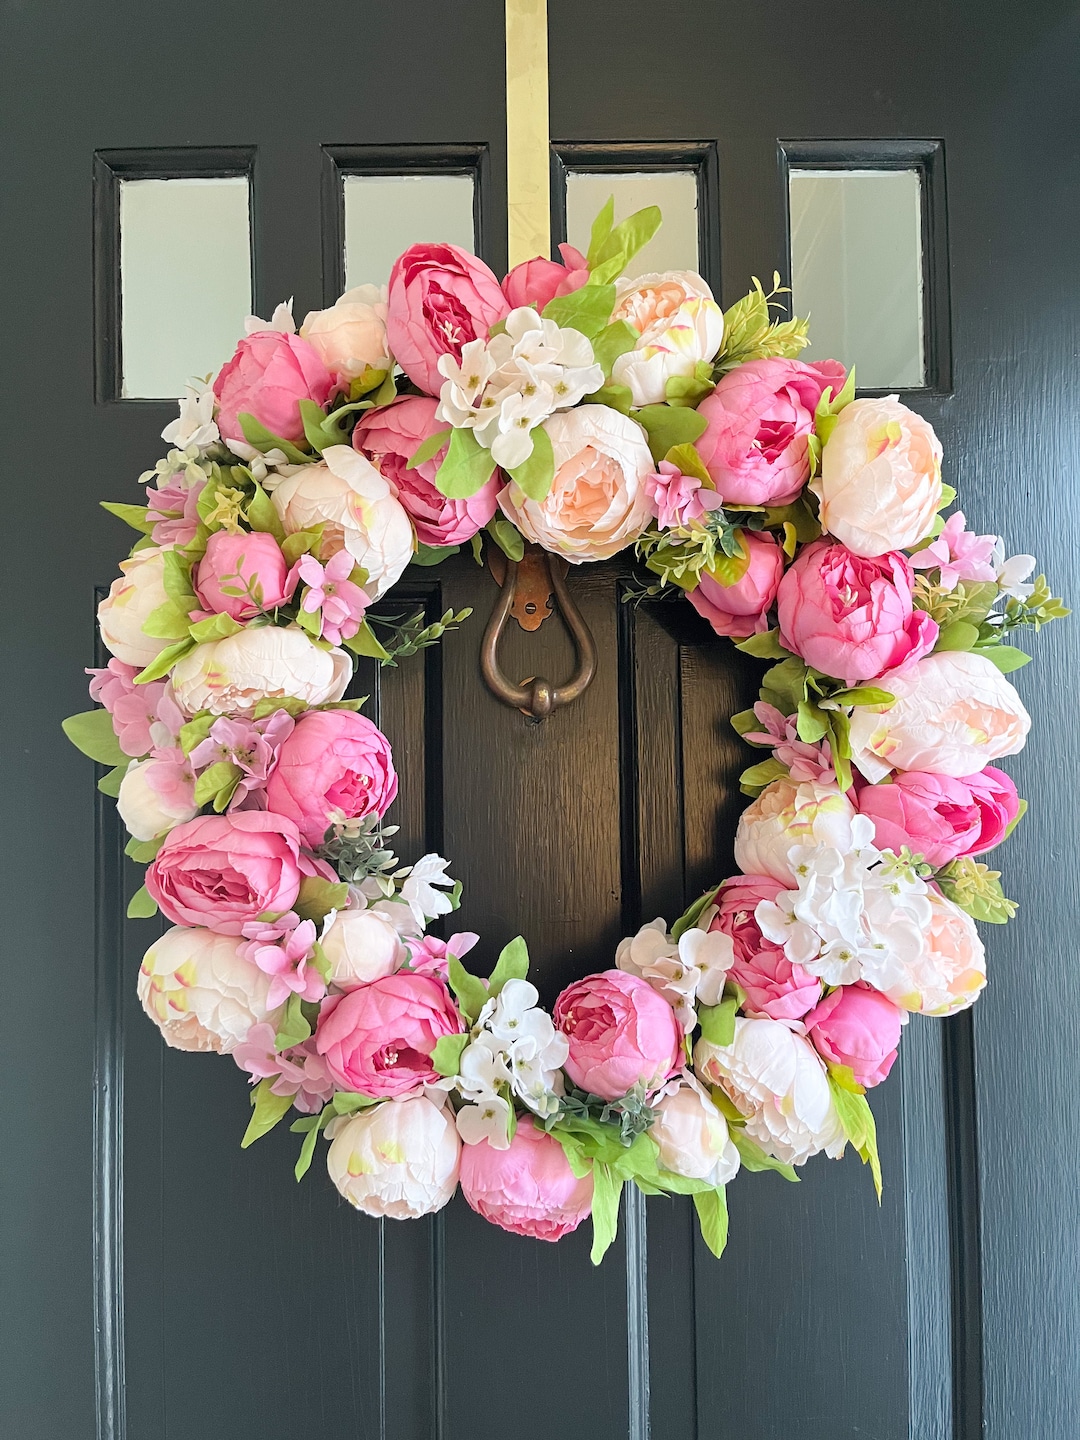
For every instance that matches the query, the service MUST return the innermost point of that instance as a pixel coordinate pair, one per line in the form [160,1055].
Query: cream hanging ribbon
[528,202]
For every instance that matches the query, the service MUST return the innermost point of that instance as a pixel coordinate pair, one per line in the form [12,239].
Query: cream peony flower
[787,814]
[598,503]
[144,810]
[399,1159]
[951,969]
[199,992]
[231,676]
[776,1080]
[359,509]
[361,946]
[880,480]
[350,337]
[138,591]
[692,1135]
[679,324]
[954,712]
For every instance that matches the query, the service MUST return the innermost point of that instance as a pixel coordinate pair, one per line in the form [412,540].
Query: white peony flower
[132,597]
[398,1160]
[199,992]
[679,324]
[231,676]
[361,946]
[953,714]
[775,1078]
[195,425]
[950,970]
[350,337]
[359,510]
[787,814]
[144,810]
[684,972]
[692,1135]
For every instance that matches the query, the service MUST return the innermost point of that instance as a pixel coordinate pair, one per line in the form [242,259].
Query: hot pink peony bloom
[935,816]
[739,610]
[858,1027]
[335,765]
[441,297]
[998,803]
[428,955]
[958,554]
[267,377]
[242,575]
[760,417]
[529,1188]
[221,871]
[535,282]
[299,1071]
[330,590]
[677,498]
[804,761]
[377,1040]
[621,1033]
[389,438]
[775,988]
[285,953]
[850,617]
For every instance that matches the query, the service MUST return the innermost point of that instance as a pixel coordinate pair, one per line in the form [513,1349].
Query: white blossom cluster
[687,972]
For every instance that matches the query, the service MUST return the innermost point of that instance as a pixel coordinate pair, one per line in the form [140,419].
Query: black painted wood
[157,1280]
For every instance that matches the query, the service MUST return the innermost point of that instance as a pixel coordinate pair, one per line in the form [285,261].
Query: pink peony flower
[958,554]
[804,761]
[243,575]
[267,377]
[998,804]
[377,1040]
[335,765]
[298,1071]
[529,1188]
[284,954]
[441,297]
[389,438]
[739,610]
[935,816]
[535,282]
[428,954]
[858,1027]
[330,590]
[250,744]
[775,988]
[221,871]
[851,617]
[621,1033]
[677,498]
[760,416]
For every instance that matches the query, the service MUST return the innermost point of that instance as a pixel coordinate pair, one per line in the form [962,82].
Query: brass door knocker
[528,587]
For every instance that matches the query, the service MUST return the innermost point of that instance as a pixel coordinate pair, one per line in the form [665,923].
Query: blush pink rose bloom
[335,765]
[528,1188]
[536,281]
[621,1033]
[857,1027]
[850,617]
[267,377]
[775,988]
[739,610]
[935,816]
[440,298]
[389,438]
[761,415]
[221,871]
[377,1040]
[252,564]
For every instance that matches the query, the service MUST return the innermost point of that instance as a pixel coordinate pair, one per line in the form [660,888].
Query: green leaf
[476,545]
[164,661]
[857,1119]
[143,851]
[366,642]
[507,537]
[712,1213]
[110,784]
[347,1102]
[299,543]
[315,431]
[607,1192]
[429,448]
[587,310]
[1021,811]
[270,703]
[765,646]
[141,905]
[718,1021]
[1007,658]
[614,340]
[466,469]
[195,731]
[689,918]
[862,695]
[220,778]
[472,994]
[92,733]
[948,495]
[167,622]
[687,390]
[433,554]
[754,1159]
[512,964]
[307,1152]
[960,635]
[744,721]
[262,516]
[755,777]
[309,620]
[294,1028]
[615,397]
[264,440]
[784,685]
[812,724]
[215,627]
[669,425]
[133,515]
[318,897]
[601,229]
[689,462]
[533,476]
[446,1057]
[268,1110]
[176,580]
[621,243]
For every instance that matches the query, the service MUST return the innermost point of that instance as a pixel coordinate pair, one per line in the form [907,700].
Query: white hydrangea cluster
[686,972]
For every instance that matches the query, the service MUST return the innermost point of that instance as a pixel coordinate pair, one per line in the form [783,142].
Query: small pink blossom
[429,955]
[804,761]
[172,778]
[677,498]
[172,509]
[299,1071]
[330,589]
[251,744]
[133,707]
[284,955]
[958,554]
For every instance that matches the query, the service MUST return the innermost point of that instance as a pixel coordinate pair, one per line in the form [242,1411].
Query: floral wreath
[585,413]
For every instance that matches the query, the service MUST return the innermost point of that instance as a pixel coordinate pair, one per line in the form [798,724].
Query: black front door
[159,1281]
